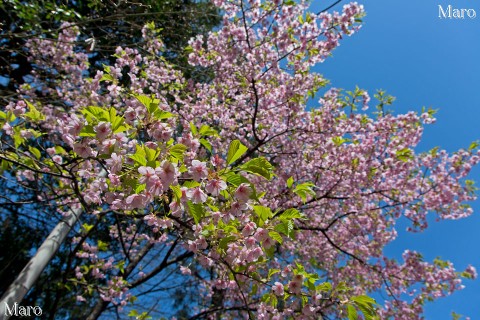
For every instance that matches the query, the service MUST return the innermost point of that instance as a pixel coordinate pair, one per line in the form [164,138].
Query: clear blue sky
[405,49]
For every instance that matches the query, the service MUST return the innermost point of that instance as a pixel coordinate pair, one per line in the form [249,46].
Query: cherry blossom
[278,289]
[198,170]
[197,195]
[214,186]
[307,196]
[243,192]
[167,173]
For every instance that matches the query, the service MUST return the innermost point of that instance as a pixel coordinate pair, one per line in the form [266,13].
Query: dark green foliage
[105,25]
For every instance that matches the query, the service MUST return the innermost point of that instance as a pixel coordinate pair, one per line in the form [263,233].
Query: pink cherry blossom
[57,159]
[82,150]
[103,129]
[8,129]
[198,170]
[294,287]
[278,289]
[185,270]
[248,229]
[214,186]
[135,201]
[196,195]
[115,162]
[167,173]
[243,192]
[147,174]
[261,235]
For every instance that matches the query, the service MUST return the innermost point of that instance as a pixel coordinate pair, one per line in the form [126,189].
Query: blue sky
[405,49]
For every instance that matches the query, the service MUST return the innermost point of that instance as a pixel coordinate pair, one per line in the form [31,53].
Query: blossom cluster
[236,173]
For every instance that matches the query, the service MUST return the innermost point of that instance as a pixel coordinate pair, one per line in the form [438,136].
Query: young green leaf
[264,213]
[139,158]
[290,182]
[206,144]
[304,189]
[177,151]
[193,128]
[197,211]
[260,167]
[286,227]
[235,151]
[146,101]
[291,214]
[351,312]
[33,113]
[276,236]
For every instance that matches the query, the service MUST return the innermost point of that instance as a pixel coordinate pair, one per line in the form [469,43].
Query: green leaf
[107,77]
[304,189]
[33,113]
[188,49]
[326,287]
[144,316]
[254,289]
[235,151]
[146,101]
[140,188]
[193,128]
[206,144]
[95,114]
[456,316]
[116,121]
[153,106]
[351,312]
[133,313]
[87,131]
[338,141]
[139,158]
[223,243]
[285,227]
[291,214]
[207,131]
[113,114]
[466,275]
[355,162]
[290,182]
[212,207]
[120,128]
[364,299]
[404,154]
[264,213]
[259,166]
[35,152]
[151,154]
[177,192]
[161,114]
[196,210]
[191,184]
[473,145]
[178,150]
[87,227]
[102,246]
[276,236]
[366,305]
[271,272]
[182,169]
[235,179]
